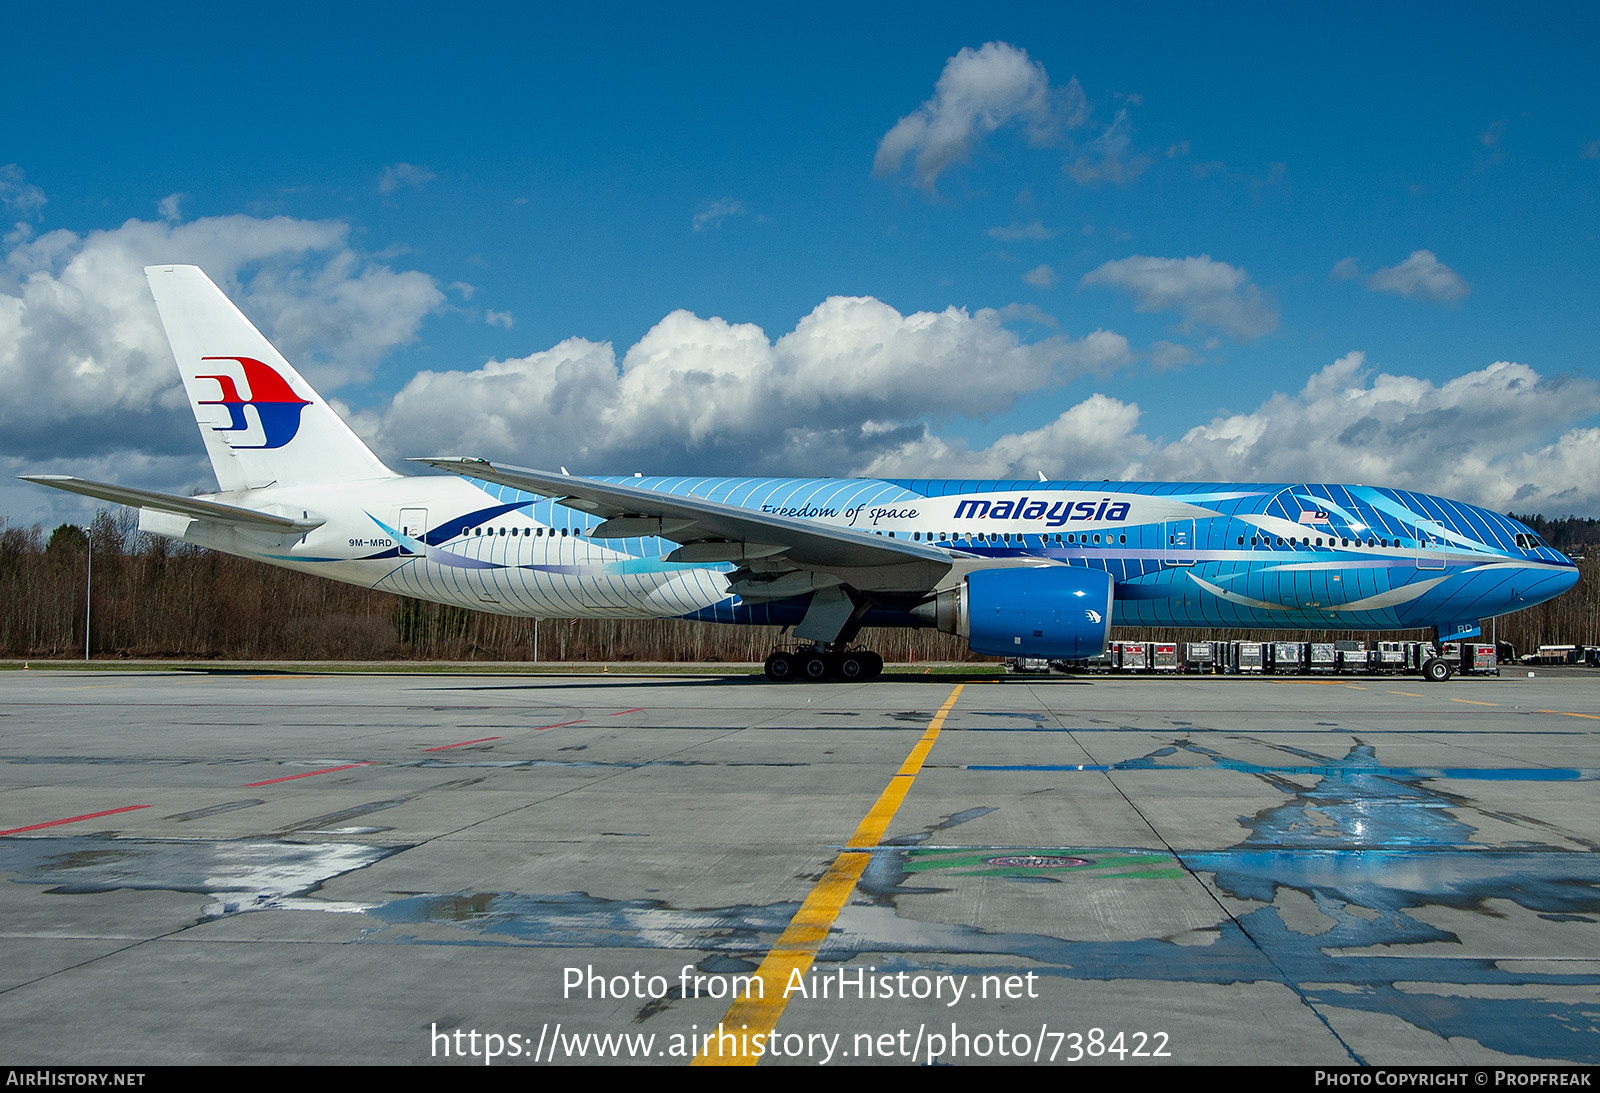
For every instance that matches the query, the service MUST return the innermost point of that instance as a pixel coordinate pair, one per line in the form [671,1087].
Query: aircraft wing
[708,530]
[166,502]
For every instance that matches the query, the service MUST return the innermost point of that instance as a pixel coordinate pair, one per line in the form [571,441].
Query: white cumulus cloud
[980,91]
[1421,276]
[854,378]
[1204,291]
[1093,439]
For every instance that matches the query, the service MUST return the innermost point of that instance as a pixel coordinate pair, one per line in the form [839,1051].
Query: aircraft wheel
[781,668]
[1435,670]
[814,667]
[855,667]
[874,665]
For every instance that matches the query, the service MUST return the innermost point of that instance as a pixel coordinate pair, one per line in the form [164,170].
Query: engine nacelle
[1057,611]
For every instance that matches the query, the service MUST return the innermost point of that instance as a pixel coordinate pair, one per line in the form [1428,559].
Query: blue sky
[1303,243]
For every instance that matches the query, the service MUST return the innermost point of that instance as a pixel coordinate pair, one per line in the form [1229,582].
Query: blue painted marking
[1482,774]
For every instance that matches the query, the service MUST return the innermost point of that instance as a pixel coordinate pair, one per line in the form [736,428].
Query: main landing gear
[815,664]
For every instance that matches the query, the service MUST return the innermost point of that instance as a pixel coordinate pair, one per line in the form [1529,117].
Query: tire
[854,668]
[874,665]
[781,667]
[814,667]
[1435,670]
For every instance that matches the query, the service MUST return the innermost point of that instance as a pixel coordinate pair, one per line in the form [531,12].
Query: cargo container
[1250,657]
[1201,656]
[1396,656]
[1288,657]
[1355,661]
[1480,660]
[1164,656]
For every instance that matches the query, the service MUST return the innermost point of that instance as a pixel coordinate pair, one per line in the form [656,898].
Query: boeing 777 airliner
[1037,569]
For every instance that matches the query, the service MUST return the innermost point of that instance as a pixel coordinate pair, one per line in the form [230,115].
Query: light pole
[88,588]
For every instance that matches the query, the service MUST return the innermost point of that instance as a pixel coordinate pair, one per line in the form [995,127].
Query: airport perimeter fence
[156,599]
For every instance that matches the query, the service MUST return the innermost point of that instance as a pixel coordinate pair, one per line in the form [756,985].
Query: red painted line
[73,819]
[464,743]
[307,774]
[558,724]
[619,713]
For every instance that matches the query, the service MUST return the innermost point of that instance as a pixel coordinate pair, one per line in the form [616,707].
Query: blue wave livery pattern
[1184,555]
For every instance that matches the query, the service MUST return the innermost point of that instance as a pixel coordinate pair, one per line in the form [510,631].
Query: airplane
[1038,569]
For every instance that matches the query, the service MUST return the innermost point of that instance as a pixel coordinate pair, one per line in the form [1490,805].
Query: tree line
[155,598]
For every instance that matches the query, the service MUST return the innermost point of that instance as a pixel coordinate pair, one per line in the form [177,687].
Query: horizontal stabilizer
[166,502]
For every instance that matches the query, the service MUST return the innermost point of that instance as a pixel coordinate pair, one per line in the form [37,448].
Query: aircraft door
[413,524]
[1177,542]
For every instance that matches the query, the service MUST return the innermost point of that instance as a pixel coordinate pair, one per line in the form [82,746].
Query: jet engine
[1056,611]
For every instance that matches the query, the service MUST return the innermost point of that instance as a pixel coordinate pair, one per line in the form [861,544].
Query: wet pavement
[244,868]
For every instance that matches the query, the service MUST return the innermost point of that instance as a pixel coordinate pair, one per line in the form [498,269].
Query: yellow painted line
[1353,687]
[796,948]
[1470,702]
[1408,693]
[1569,713]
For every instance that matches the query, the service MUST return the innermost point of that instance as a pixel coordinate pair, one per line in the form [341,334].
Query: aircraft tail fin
[261,421]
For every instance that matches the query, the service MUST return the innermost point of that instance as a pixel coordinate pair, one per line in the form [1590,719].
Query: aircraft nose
[1567,578]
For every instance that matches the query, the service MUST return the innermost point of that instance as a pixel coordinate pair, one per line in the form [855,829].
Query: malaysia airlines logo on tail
[277,406]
